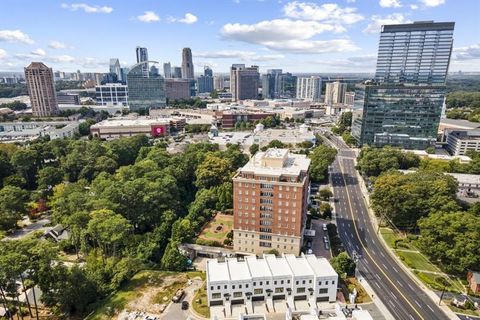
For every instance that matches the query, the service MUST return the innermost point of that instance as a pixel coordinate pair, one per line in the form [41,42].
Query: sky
[296,36]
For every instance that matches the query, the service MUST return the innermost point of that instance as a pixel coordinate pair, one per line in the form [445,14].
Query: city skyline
[297,36]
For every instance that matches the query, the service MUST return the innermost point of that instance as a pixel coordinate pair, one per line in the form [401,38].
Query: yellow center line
[365,249]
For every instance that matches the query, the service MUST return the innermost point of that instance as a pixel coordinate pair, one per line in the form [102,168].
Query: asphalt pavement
[392,285]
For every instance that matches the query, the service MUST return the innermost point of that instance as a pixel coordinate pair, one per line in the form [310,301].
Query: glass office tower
[145,91]
[402,106]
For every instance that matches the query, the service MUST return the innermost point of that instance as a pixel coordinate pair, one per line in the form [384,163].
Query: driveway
[174,310]
[318,246]
[30,227]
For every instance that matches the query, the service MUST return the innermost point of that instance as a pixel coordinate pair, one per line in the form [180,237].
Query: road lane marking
[430,308]
[367,252]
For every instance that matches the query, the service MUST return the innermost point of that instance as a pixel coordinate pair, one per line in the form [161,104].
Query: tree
[325,194]
[374,161]
[173,260]
[49,177]
[108,230]
[25,162]
[84,127]
[405,198]
[212,172]
[343,264]
[321,157]
[453,239]
[12,206]
[326,210]
[182,231]
[253,149]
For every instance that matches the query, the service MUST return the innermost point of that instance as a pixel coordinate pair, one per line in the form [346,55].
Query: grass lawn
[416,260]
[200,303]
[210,231]
[389,236]
[436,281]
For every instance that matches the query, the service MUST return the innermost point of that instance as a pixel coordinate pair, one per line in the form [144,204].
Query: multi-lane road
[392,285]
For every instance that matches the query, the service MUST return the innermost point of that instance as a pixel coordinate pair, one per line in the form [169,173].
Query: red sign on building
[158,130]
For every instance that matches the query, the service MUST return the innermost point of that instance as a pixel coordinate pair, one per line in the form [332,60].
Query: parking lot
[318,245]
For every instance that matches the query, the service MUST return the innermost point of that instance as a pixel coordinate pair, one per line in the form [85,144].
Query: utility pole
[443,292]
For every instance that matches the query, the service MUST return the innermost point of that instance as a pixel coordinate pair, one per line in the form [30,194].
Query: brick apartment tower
[270,202]
[41,89]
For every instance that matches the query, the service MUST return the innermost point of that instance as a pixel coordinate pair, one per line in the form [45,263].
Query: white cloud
[378,21]
[57,45]
[188,18]
[467,53]
[276,30]
[328,12]
[148,16]
[413,6]
[432,3]
[15,36]
[238,54]
[61,59]
[87,8]
[39,52]
[390,3]
[3,54]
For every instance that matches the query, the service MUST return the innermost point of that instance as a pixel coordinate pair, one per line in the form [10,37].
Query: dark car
[184,305]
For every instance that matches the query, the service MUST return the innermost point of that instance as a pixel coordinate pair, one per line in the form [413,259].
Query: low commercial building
[473,279]
[456,124]
[68,98]
[113,128]
[461,141]
[26,131]
[229,118]
[112,94]
[272,279]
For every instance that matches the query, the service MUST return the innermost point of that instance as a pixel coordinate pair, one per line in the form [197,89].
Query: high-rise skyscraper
[145,91]
[278,85]
[177,72]
[187,64]
[115,68]
[309,88]
[244,82]
[270,202]
[41,89]
[142,55]
[205,82]
[335,92]
[403,105]
[218,82]
[167,70]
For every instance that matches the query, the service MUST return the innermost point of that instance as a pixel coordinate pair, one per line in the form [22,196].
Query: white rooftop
[278,265]
[238,269]
[131,122]
[258,267]
[217,271]
[299,266]
[293,165]
[320,266]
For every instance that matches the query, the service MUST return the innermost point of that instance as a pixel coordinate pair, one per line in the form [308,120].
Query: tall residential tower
[244,82]
[309,88]
[41,89]
[187,64]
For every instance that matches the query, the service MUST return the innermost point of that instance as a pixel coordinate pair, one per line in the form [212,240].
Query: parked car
[325,239]
[184,305]
[324,227]
[309,244]
[178,295]
[309,251]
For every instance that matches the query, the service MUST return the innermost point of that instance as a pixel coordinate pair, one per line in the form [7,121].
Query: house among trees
[473,279]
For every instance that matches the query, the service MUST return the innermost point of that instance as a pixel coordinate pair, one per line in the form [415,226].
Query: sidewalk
[373,219]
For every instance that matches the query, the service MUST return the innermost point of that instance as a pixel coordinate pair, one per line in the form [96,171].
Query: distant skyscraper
[309,88]
[349,98]
[177,72]
[278,85]
[218,82]
[205,82]
[167,70]
[335,92]
[115,68]
[41,89]
[187,64]
[244,82]
[403,106]
[142,55]
[145,91]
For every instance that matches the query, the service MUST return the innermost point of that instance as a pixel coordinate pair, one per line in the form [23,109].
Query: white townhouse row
[287,277]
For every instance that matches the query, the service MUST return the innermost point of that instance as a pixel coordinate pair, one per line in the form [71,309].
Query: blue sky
[298,36]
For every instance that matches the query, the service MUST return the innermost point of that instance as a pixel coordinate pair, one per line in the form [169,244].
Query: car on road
[184,305]
[325,239]
[327,246]
[309,251]
[309,244]
[324,227]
